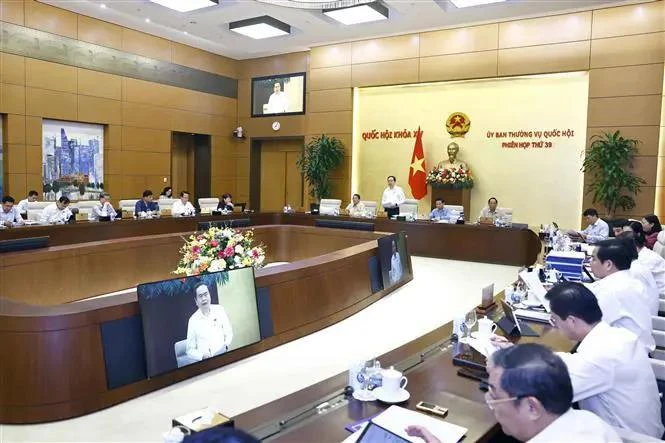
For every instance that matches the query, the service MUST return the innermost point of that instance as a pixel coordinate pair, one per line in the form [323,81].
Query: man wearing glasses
[530,393]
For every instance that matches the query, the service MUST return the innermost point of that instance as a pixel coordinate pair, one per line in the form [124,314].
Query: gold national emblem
[458,124]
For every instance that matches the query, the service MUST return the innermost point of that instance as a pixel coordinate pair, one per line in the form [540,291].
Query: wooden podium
[453,197]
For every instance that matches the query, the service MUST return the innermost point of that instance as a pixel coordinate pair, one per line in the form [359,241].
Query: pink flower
[255,253]
[196,250]
[214,243]
[228,252]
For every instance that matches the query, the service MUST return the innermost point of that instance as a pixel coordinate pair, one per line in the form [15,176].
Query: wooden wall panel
[50,104]
[99,32]
[145,116]
[137,163]
[385,73]
[628,111]
[560,57]
[33,161]
[33,130]
[459,66]
[205,61]
[626,81]
[145,140]
[332,55]
[15,129]
[646,167]
[627,20]
[647,135]
[331,100]
[384,49]
[12,99]
[459,41]
[16,158]
[33,182]
[146,45]
[330,78]
[112,163]
[12,69]
[50,19]
[628,51]
[52,76]
[545,30]
[113,137]
[99,110]
[12,11]
[330,122]
[99,84]
[280,64]
[16,184]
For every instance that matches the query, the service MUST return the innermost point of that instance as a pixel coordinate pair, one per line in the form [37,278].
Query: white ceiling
[208,28]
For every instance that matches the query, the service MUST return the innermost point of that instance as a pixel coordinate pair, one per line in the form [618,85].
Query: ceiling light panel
[469,3]
[260,27]
[186,5]
[370,12]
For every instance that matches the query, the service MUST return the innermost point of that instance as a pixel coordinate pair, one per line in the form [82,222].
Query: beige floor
[440,289]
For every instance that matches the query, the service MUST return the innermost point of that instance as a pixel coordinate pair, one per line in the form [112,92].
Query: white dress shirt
[654,263]
[486,213]
[597,232]
[209,334]
[22,206]
[392,198]
[278,103]
[612,377]
[395,268]
[13,216]
[357,210]
[179,209]
[642,274]
[577,426]
[51,214]
[625,303]
[102,211]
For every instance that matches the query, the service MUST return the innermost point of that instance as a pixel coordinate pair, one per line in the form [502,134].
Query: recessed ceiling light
[103,6]
[369,12]
[147,20]
[468,3]
[186,33]
[260,27]
[186,5]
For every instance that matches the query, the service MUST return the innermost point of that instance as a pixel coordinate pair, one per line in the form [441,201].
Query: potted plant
[319,158]
[610,160]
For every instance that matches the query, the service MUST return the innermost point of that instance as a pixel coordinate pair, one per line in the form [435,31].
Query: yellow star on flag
[418,165]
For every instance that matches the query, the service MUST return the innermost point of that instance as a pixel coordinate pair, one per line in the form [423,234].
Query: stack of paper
[396,419]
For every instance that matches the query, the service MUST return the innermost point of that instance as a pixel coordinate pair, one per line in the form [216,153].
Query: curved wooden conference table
[57,360]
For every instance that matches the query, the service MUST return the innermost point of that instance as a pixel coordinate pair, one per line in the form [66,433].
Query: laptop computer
[511,325]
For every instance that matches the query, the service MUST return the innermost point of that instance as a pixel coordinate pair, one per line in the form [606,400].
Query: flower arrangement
[452,178]
[219,249]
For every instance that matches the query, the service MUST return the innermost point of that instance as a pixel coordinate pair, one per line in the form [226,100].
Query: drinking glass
[470,320]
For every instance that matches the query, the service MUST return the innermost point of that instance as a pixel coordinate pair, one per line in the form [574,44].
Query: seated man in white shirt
[491,210]
[610,371]
[646,257]
[103,209]
[183,207]
[595,232]
[209,330]
[356,208]
[9,215]
[392,197]
[23,204]
[56,213]
[642,273]
[530,394]
[623,299]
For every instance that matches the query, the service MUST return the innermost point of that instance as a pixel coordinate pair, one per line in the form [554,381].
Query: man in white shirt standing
[209,330]
[393,196]
[9,215]
[395,265]
[183,207]
[623,299]
[56,213]
[278,102]
[530,393]
[610,371]
[103,209]
[23,204]
[596,231]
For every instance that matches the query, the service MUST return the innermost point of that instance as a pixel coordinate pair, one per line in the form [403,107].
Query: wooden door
[281,182]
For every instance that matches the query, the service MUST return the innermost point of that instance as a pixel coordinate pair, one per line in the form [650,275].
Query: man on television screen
[209,330]
[278,102]
[395,265]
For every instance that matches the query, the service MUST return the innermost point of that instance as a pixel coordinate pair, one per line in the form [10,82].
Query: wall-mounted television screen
[278,95]
[187,320]
[393,259]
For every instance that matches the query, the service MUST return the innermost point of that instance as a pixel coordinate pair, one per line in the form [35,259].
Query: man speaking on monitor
[395,265]
[209,330]
[278,102]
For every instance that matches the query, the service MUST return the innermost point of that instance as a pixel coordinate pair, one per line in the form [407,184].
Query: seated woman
[652,228]
[226,204]
[167,192]
[356,208]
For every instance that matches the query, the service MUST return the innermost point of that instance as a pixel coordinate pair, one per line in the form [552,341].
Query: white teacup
[393,381]
[486,327]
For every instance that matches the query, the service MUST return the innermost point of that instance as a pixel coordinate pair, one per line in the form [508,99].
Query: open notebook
[396,419]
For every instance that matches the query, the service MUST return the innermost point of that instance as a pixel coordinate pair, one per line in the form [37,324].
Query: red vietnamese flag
[417,172]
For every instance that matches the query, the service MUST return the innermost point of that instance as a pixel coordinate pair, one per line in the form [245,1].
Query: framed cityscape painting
[72,160]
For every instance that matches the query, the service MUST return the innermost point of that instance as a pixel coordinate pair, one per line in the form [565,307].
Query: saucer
[366,396]
[394,397]
[477,336]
